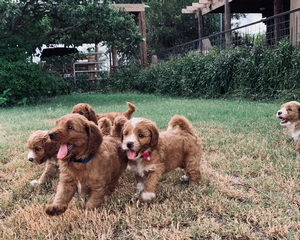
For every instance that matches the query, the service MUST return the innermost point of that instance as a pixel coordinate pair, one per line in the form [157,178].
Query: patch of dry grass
[250,186]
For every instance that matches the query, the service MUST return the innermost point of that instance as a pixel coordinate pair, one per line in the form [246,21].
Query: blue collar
[82,160]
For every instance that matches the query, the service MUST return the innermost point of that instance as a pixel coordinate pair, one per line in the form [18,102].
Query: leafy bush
[84,84]
[123,79]
[23,82]
[256,72]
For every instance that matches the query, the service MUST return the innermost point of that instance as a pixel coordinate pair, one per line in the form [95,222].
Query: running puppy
[43,150]
[89,163]
[289,113]
[152,154]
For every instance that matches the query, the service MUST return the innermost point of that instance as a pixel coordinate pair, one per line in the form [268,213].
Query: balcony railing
[271,30]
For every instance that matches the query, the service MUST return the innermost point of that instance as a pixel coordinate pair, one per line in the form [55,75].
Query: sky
[250,18]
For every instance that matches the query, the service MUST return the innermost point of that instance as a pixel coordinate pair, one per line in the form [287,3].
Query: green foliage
[168,27]
[257,72]
[100,85]
[24,82]
[12,50]
[265,72]
[108,24]
[30,24]
[123,80]
[4,97]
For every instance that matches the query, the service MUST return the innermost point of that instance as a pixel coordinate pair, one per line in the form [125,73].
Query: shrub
[255,72]
[123,79]
[23,82]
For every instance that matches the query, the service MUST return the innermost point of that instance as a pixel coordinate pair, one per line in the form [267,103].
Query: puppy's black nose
[30,159]
[279,113]
[52,135]
[129,145]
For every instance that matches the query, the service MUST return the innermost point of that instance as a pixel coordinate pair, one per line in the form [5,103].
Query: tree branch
[54,32]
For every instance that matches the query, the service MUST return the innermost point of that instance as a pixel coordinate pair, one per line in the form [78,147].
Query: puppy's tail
[130,110]
[183,124]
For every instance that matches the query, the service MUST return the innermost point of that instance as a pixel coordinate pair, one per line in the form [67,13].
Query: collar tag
[146,155]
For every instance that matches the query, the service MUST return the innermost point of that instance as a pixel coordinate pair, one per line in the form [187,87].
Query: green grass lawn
[250,186]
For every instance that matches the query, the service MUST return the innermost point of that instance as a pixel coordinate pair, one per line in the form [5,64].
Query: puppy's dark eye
[289,109]
[37,149]
[125,133]
[81,113]
[141,135]
[70,127]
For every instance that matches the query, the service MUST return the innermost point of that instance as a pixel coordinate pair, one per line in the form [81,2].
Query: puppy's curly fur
[152,154]
[289,113]
[89,163]
[43,150]
[105,126]
[113,129]
[117,128]
[87,111]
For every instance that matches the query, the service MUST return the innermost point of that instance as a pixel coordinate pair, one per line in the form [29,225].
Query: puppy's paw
[148,196]
[55,210]
[184,178]
[35,182]
[137,194]
[90,206]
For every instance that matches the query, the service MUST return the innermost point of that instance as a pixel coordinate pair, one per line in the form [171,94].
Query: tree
[168,27]
[31,23]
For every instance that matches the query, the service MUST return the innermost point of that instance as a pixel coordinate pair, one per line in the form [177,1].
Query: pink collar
[146,155]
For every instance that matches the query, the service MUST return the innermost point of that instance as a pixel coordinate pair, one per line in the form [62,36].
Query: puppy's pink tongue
[283,120]
[63,150]
[131,154]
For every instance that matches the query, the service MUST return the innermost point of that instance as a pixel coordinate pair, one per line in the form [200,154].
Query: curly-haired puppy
[289,113]
[87,111]
[89,163]
[152,154]
[42,149]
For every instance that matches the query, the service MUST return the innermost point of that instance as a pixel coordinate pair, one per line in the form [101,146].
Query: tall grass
[249,188]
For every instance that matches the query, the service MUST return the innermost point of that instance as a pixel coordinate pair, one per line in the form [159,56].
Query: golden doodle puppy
[87,111]
[152,154]
[289,113]
[89,163]
[43,150]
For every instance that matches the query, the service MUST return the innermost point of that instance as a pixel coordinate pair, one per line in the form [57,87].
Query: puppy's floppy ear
[297,104]
[154,134]
[50,147]
[94,136]
[91,114]
[117,130]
